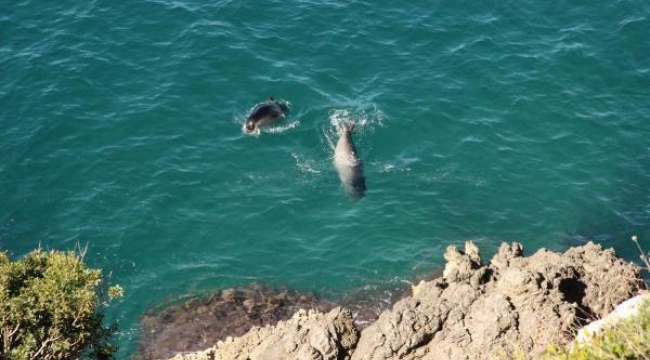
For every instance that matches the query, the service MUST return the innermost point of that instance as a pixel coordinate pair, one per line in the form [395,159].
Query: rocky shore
[476,310]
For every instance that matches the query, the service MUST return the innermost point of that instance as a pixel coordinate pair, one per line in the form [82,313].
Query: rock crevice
[485,310]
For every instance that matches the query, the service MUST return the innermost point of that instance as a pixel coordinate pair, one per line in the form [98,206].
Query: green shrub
[52,307]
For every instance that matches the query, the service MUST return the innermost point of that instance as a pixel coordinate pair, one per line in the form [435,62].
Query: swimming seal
[348,164]
[265,113]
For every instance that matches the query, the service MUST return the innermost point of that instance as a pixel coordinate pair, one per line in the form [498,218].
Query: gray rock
[513,304]
[307,335]
[475,311]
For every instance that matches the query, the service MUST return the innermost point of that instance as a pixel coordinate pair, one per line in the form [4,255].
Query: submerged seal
[265,113]
[348,164]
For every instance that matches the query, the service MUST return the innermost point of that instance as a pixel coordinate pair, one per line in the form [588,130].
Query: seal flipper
[345,126]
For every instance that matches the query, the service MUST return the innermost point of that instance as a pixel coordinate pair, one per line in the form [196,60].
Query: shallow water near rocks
[121,128]
[199,322]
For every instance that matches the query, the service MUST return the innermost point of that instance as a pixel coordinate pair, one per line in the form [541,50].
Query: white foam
[305,165]
[363,120]
[273,129]
[277,129]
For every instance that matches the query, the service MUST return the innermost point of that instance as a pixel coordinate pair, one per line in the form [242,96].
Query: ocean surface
[121,129]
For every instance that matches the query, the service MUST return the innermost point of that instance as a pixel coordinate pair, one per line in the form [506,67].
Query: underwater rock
[200,322]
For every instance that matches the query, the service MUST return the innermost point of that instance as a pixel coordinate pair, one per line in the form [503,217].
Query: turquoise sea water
[121,128]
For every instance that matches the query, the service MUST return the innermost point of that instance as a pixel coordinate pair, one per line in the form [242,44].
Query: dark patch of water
[198,323]
[174,326]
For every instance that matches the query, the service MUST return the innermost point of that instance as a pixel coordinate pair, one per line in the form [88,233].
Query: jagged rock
[308,335]
[459,264]
[475,311]
[199,322]
[481,311]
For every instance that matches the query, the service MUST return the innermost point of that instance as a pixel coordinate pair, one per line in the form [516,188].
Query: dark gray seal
[265,113]
[348,164]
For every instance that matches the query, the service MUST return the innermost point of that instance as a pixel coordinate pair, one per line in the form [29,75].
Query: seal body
[348,164]
[265,113]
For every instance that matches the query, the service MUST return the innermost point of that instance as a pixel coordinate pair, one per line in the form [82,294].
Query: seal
[348,164]
[265,113]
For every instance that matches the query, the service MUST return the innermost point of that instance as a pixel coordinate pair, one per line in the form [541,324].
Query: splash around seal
[265,113]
